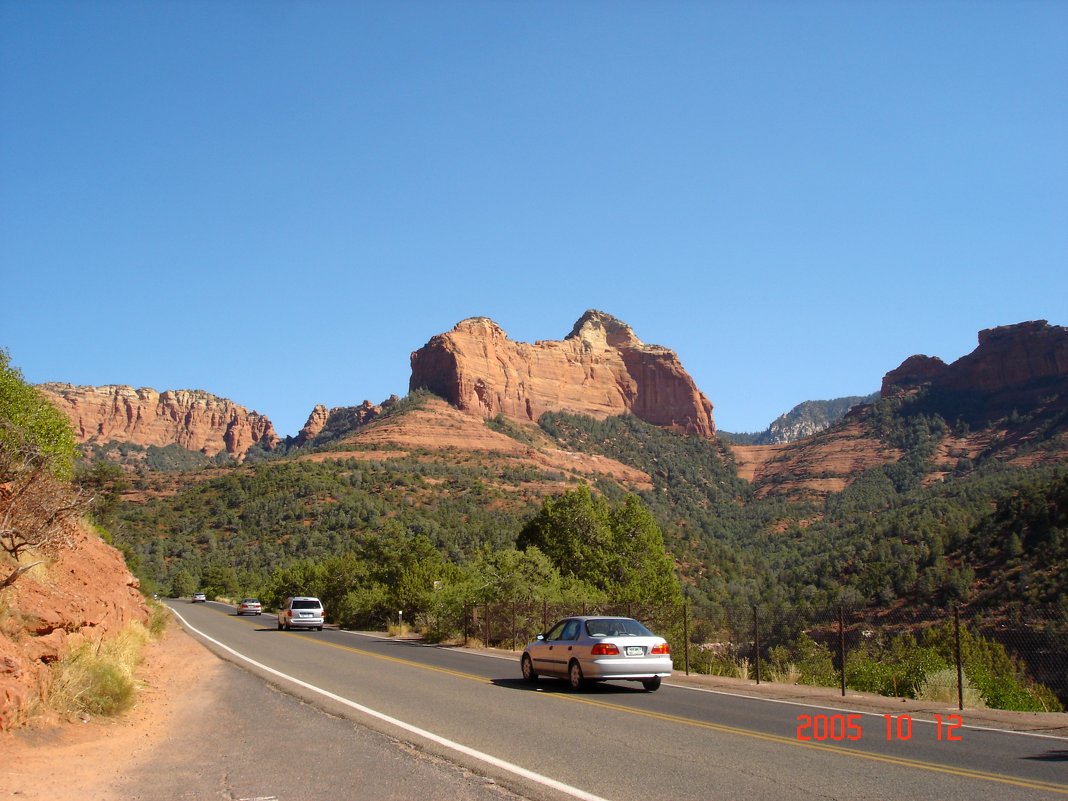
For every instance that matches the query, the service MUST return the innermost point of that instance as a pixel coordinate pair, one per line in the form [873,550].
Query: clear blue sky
[277,202]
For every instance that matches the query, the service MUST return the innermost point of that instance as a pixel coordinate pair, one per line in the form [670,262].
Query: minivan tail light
[604,649]
[663,648]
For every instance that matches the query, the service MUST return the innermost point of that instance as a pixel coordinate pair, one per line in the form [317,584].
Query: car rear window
[617,628]
[307,605]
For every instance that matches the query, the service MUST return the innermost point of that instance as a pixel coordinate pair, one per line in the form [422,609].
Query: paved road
[616,741]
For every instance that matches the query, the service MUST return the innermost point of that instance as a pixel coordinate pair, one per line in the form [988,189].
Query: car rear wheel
[651,685]
[529,674]
[574,676]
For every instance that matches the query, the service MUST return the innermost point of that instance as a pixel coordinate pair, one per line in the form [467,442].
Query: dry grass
[98,677]
[398,630]
[941,687]
[787,674]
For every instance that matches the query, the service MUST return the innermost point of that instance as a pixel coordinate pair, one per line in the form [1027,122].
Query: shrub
[897,668]
[804,661]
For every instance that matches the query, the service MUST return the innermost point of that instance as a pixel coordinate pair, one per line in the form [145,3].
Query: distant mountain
[1007,400]
[600,369]
[192,420]
[804,420]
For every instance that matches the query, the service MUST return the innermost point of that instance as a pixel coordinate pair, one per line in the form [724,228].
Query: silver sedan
[597,648]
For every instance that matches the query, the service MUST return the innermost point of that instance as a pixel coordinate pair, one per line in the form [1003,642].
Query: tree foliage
[30,424]
[619,551]
[38,505]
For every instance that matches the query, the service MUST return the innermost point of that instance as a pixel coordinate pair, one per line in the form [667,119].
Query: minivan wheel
[574,676]
[528,670]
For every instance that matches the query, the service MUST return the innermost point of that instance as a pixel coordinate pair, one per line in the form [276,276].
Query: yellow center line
[1032,784]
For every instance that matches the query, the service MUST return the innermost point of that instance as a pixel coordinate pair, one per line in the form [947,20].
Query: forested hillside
[990,534]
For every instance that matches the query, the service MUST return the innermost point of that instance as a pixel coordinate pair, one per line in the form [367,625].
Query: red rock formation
[601,369]
[193,419]
[337,422]
[1013,364]
[316,423]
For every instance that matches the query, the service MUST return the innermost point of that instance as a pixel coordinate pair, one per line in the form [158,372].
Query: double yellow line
[967,773]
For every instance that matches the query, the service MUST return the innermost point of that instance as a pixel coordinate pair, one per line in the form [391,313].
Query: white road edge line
[443,741]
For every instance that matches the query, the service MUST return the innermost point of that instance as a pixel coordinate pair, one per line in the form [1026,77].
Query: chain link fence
[957,656]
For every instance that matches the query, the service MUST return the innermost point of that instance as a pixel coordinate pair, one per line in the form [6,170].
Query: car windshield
[306,605]
[617,627]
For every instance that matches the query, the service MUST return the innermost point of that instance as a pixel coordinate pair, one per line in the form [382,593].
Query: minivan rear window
[307,605]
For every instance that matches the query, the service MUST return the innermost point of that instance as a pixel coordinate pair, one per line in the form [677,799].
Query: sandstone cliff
[1016,367]
[601,369]
[195,420]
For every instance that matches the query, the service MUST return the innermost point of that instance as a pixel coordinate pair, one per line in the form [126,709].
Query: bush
[804,661]
[1001,680]
[895,668]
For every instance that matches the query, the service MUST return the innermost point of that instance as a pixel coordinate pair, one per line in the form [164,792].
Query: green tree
[29,421]
[38,505]
[104,482]
[642,569]
[183,584]
[220,580]
[513,575]
[619,551]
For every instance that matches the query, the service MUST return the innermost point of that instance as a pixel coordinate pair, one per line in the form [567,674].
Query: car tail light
[604,649]
[663,648]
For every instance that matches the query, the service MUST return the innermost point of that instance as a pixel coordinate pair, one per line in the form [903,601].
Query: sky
[277,202]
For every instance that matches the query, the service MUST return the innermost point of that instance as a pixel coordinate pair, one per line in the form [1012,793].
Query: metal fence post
[960,665]
[466,613]
[513,625]
[841,646]
[756,641]
[686,635]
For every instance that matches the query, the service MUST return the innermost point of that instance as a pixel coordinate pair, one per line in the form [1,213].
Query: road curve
[617,742]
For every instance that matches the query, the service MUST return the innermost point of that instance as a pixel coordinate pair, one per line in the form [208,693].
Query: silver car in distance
[598,648]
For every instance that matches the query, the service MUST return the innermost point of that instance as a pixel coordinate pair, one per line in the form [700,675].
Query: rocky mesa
[600,369]
[1012,364]
[193,419]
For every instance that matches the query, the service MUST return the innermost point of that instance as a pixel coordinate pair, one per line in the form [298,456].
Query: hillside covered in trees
[989,533]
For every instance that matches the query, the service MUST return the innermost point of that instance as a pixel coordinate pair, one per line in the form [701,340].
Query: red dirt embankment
[83,593]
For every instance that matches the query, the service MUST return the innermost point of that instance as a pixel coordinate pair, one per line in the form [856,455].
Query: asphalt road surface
[467,726]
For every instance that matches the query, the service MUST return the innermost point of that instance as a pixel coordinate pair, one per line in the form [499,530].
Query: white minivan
[302,612]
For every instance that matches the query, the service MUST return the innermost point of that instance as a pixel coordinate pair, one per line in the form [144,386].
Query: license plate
[635,650]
